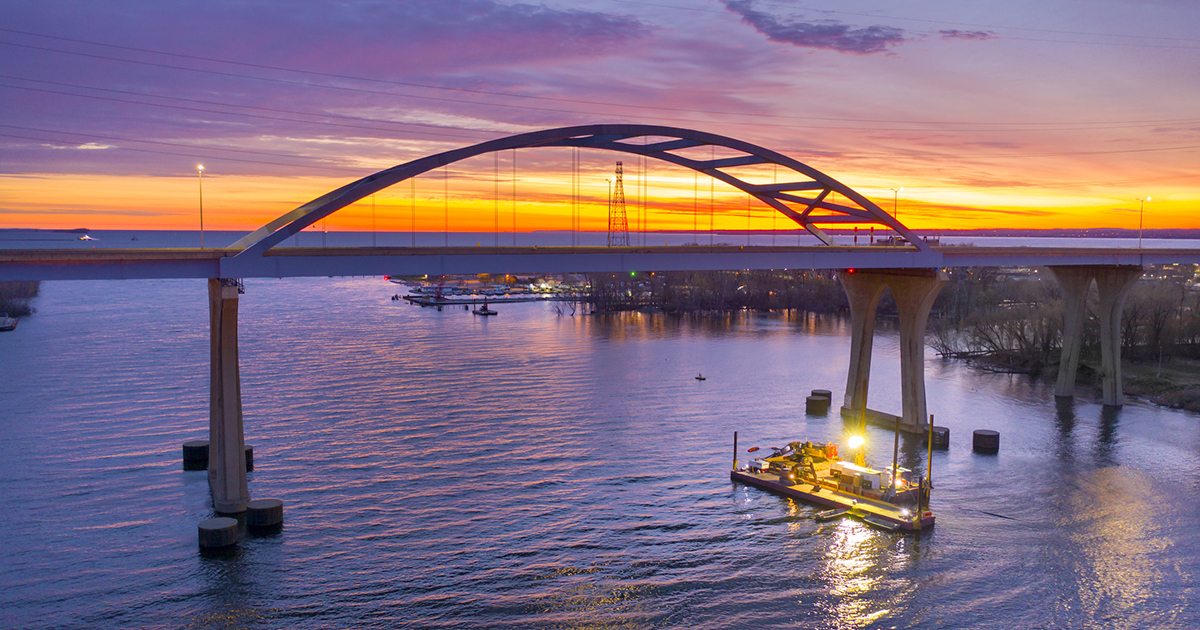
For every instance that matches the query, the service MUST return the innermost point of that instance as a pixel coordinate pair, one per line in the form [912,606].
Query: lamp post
[1141,211]
[896,201]
[200,182]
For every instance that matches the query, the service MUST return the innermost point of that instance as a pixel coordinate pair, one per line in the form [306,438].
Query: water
[441,470]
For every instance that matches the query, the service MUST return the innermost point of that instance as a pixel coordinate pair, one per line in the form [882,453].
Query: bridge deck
[97,264]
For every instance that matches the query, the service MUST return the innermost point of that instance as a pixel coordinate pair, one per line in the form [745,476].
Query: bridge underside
[111,264]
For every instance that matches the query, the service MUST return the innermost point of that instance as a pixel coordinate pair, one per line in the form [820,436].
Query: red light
[849,271]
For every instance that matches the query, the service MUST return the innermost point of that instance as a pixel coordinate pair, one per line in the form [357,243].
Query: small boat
[6,322]
[891,498]
[484,310]
[700,377]
[831,515]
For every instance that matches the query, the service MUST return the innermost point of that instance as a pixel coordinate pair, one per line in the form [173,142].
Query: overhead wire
[755,114]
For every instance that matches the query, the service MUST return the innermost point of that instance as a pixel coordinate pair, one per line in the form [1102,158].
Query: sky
[1012,114]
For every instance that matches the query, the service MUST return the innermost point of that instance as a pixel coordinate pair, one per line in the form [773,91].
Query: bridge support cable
[787,198]
[1112,283]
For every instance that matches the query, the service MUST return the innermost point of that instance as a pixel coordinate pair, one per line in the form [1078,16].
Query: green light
[632,273]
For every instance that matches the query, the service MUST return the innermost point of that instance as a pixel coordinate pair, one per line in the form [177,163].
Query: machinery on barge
[893,498]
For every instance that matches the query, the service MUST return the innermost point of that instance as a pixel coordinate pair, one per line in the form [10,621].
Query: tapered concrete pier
[226,458]
[1112,283]
[914,291]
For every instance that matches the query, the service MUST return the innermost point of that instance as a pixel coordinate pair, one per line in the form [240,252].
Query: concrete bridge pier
[226,458]
[1112,283]
[914,292]
[863,290]
[914,297]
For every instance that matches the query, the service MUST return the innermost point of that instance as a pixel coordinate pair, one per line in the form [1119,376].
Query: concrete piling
[264,513]
[816,405]
[195,455]
[941,438]
[218,532]
[985,441]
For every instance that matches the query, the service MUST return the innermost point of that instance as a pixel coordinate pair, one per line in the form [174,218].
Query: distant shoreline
[1105,232]
[59,231]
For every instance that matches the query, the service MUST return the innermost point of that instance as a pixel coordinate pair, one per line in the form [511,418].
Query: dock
[433,300]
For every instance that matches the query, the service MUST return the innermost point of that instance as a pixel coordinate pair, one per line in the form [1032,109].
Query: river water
[441,470]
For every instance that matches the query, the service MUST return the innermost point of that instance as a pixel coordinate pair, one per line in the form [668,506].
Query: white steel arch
[803,200]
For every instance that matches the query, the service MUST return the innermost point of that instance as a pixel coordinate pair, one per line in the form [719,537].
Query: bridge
[914,272]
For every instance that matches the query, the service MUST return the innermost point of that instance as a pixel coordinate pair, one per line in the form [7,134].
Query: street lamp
[1141,210]
[896,201]
[200,181]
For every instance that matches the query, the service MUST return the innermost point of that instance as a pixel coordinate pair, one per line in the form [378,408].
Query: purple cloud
[970,35]
[828,35]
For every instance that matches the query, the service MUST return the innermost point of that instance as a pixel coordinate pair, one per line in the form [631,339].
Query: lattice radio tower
[618,224]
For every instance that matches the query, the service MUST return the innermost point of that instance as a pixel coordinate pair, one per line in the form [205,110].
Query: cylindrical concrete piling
[264,513]
[941,438]
[816,405]
[823,393]
[195,455]
[986,441]
[218,532]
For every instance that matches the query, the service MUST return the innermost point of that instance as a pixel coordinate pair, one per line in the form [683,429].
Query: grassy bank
[1175,384]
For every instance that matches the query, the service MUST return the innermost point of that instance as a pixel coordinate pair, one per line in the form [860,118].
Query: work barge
[892,499]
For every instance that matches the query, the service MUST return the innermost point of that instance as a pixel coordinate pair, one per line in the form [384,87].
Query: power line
[477,131]
[226,104]
[196,153]
[1095,127]
[247,115]
[476,91]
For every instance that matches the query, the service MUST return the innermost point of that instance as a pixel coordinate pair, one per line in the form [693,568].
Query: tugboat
[890,499]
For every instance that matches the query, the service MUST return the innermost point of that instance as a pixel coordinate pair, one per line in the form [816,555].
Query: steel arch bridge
[804,200]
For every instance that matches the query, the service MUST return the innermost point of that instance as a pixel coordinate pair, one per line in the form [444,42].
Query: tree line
[1014,321]
[16,295]
[1005,319]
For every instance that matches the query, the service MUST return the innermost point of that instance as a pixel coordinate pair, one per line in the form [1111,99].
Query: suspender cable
[446,205]
[514,196]
[496,196]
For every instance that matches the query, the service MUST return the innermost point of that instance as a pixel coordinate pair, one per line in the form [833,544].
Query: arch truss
[804,198]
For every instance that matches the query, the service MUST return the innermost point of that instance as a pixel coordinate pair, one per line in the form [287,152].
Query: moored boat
[6,322]
[892,498]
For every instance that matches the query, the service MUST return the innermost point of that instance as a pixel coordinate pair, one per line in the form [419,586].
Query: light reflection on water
[444,470]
